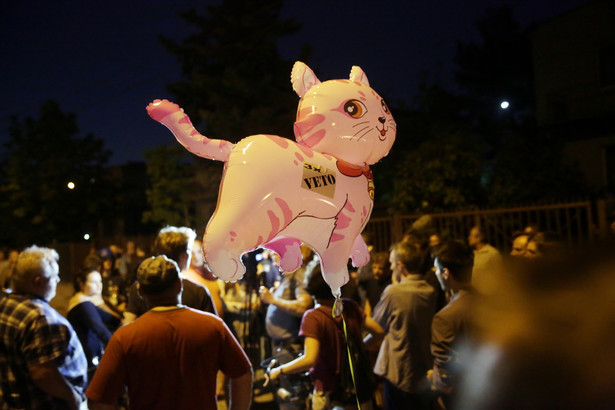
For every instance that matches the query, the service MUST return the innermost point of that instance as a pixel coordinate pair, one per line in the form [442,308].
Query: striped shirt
[33,333]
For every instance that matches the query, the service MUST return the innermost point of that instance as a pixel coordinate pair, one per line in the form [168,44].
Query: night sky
[102,60]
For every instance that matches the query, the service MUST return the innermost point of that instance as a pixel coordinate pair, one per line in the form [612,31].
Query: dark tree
[441,174]
[42,156]
[497,68]
[521,164]
[234,82]
[437,160]
[169,196]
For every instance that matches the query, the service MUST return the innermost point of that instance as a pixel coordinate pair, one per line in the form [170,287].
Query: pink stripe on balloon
[236,270]
[288,215]
[315,138]
[308,123]
[282,142]
[280,246]
[350,208]
[307,151]
[275,225]
[336,237]
[342,221]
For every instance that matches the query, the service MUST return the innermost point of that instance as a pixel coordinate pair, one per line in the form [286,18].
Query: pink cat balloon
[276,193]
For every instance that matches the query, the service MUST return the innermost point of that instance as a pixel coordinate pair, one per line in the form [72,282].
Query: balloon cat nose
[382,119]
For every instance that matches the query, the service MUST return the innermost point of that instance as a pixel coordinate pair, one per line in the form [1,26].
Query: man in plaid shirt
[42,364]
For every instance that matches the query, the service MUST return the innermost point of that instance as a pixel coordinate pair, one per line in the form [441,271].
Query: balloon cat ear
[357,74]
[302,78]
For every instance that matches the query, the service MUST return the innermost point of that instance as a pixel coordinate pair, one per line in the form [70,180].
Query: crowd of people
[432,323]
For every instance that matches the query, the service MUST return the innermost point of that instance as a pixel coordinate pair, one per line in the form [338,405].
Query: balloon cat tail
[173,117]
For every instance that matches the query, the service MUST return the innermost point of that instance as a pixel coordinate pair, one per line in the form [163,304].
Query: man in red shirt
[168,358]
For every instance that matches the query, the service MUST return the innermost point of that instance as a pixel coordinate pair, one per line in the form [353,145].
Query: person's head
[417,239]
[316,285]
[37,272]
[476,239]
[13,255]
[93,262]
[544,244]
[405,259]
[453,264]
[381,268]
[197,260]
[107,261]
[116,250]
[130,247]
[89,282]
[159,280]
[176,244]
[107,265]
[519,244]
[434,239]
[531,229]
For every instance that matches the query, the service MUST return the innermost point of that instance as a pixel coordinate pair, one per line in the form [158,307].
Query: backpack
[363,374]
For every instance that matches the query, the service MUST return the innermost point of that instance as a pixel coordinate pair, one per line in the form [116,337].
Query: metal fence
[573,222]
[578,223]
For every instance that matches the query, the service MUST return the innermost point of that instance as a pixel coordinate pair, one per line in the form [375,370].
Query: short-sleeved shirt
[320,325]
[33,333]
[168,360]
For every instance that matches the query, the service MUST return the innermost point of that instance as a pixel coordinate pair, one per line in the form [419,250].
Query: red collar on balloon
[352,170]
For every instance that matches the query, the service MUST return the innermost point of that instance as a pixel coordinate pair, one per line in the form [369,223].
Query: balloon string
[351,364]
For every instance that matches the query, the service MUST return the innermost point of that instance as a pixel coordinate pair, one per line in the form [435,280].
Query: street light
[504,105]
[71,185]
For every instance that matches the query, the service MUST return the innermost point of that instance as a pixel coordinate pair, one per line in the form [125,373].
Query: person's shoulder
[490,250]
[78,299]
[458,306]
[390,288]
[311,312]
[23,305]
[198,314]
[193,276]
[193,289]
[315,313]
[35,310]
[351,304]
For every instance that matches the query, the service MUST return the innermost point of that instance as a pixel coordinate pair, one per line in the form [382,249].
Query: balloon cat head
[343,118]
[277,193]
